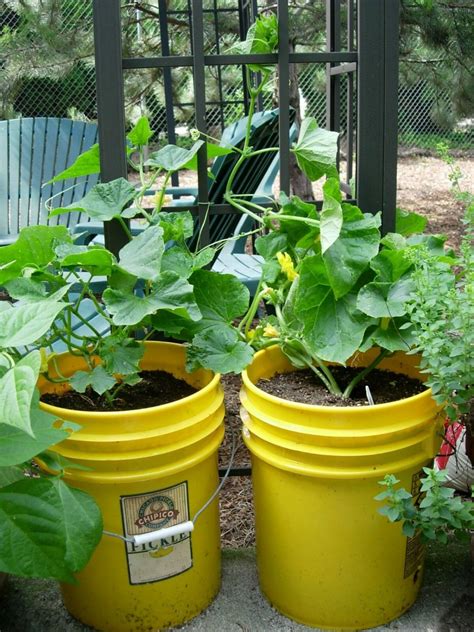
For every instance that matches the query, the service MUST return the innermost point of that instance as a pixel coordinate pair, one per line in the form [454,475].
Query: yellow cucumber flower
[270,331]
[286,265]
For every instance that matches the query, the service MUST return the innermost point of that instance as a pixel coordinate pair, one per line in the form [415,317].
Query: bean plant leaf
[98,379]
[47,529]
[350,255]
[88,163]
[82,524]
[19,447]
[10,475]
[141,132]
[172,158]
[331,214]
[25,324]
[142,256]
[17,386]
[33,248]
[103,202]
[316,150]
[220,349]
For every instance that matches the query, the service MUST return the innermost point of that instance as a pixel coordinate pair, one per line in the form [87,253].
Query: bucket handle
[183,527]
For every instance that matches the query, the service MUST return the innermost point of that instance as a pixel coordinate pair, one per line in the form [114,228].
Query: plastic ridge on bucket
[326,557]
[148,470]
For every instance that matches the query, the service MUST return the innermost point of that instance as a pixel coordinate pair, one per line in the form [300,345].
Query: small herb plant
[436,514]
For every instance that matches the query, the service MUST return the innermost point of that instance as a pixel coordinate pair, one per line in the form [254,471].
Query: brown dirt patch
[305,388]
[155,389]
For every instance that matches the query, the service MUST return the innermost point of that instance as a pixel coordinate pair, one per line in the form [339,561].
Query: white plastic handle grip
[167,532]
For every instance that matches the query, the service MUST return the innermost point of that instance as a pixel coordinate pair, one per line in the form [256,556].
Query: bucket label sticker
[144,513]
[415,548]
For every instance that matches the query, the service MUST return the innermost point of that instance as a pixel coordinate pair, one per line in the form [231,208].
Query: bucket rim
[301,406]
[115,414]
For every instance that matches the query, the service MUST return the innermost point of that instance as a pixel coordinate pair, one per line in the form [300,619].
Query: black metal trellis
[371,66]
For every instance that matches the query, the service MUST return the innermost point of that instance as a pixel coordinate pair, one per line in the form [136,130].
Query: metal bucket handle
[183,527]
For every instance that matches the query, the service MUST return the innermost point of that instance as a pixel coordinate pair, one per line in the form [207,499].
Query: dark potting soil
[156,388]
[305,388]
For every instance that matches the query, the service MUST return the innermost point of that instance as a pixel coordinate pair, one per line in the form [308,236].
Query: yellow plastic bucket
[326,557]
[151,468]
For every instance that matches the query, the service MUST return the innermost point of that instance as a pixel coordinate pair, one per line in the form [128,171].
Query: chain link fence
[47,69]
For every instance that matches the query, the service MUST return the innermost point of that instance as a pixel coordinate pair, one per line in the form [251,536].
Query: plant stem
[247,319]
[360,376]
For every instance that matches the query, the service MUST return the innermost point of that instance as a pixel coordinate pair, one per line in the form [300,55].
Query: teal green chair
[34,150]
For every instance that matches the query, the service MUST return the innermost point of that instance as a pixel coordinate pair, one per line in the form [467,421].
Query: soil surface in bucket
[155,388]
[305,388]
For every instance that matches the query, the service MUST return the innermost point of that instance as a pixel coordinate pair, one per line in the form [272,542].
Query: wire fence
[47,69]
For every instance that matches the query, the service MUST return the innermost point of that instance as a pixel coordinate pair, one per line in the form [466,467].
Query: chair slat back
[36,149]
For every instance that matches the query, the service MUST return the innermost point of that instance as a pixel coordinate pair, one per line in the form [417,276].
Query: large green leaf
[178,260]
[141,132]
[220,349]
[316,150]
[390,265]
[269,245]
[384,300]
[94,259]
[331,214]
[170,292]
[86,164]
[408,223]
[335,329]
[19,447]
[25,324]
[176,225]
[33,248]
[389,337]
[10,475]
[350,255]
[220,297]
[103,202]
[17,386]
[295,230]
[46,529]
[171,158]
[142,256]
[213,151]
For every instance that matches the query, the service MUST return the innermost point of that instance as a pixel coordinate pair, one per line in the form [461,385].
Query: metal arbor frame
[371,67]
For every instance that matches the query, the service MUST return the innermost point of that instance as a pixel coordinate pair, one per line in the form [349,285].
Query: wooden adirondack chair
[35,150]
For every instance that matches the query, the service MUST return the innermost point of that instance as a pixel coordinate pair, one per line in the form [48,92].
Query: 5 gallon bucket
[150,469]
[326,557]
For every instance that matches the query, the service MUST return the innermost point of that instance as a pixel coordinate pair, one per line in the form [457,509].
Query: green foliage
[441,309]
[435,516]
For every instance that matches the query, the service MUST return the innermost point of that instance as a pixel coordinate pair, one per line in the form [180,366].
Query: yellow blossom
[251,334]
[286,265]
[270,331]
